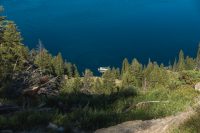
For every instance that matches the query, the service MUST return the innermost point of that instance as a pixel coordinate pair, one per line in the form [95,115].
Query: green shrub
[190,77]
[25,120]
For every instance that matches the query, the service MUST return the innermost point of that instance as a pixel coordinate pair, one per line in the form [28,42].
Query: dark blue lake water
[93,33]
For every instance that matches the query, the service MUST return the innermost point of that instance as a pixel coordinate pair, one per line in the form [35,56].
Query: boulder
[55,127]
[52,126]
[197,87]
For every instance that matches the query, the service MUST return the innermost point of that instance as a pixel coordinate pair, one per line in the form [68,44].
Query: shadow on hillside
[91,112]
[95,101]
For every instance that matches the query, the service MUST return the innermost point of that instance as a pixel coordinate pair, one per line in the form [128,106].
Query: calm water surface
[93,33]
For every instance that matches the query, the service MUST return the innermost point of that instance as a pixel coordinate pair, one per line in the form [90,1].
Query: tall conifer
[181,61]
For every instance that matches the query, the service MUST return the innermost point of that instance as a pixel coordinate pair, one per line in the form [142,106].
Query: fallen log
[52,80]
[31,92]
[140,104]
[41,88]
[4,109]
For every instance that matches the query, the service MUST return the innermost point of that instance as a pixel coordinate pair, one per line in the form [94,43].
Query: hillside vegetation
[40,92]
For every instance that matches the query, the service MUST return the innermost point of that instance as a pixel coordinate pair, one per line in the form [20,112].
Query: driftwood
[43,109]
[33,82]
[8,109]
[32,91]
[5,109]
[52,80]
[141,104]
[41,88]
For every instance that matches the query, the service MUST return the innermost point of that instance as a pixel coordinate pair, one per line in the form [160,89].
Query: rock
[162,125]
[6,131]
[52,126]
[32,91]
[55,127]
[197,87]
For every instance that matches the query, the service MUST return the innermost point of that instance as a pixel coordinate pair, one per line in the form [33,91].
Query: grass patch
[25,120]
[91,112]
[192,125]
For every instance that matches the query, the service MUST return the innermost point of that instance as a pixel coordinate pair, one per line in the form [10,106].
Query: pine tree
[155,75]
[128,79]
[116,72]
[136,70]
[148,69]
[75,72]
[13,54]
[181,61]
[77,85]
[88,81]
[109,81]
[58,65]
[98,85]
[198,58]
[68,69]
[174,67]
[135,65]
[125,66]
[190,63]
[44,60]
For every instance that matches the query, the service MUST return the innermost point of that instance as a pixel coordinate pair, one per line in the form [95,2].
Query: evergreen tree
[125,66]
[44,60]
[190,63]
[155,75]
[77,85]
[109,80]
[136,66]
[58,65]
[181,61]
[13,54]
[128,79]
[198,58]
[116,72]
[136,70]
[148,69]
[98,85]
[75,72]
[174,67]
[68,69]
[88,81]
